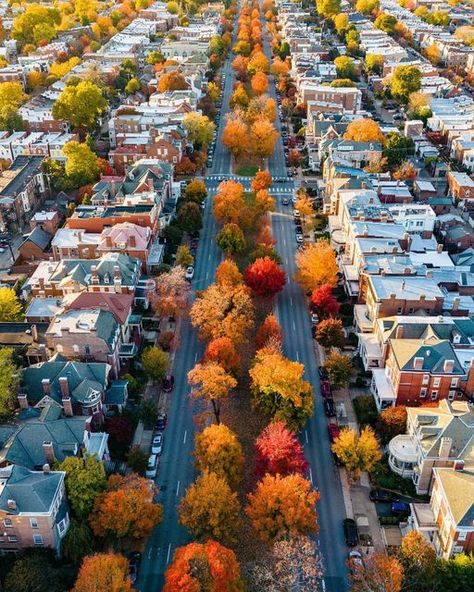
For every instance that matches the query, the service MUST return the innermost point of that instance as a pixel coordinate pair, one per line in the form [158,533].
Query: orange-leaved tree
[173,80]
[103,572]
[259,83]
[262,180]
[217,449]
[198,567]
[210,509]
[125,509]
[364,130]
[282,507]
[263,137]
[265,277]
[264,202]
[316,265]
[236,136]
[229,202]
[222,350]
[171,295]
[377,572]
[269,330]
[228,274]
[212,382]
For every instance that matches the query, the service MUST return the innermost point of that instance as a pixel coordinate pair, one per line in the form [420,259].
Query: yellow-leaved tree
[357,453]
[316,265]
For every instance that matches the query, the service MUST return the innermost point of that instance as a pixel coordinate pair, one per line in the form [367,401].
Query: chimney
[448,366]
[439,248]
[64,386]
[418,363]
[117,274]
[34,333]
[108,241]
[46,386]
[41,283]
[94,276]
[456,303]
[22,401]
[132,241]
[407,271]
[46,468]
[399,332]
[67,406]
[11,504]
[393,296]
[49,452]
[445,447]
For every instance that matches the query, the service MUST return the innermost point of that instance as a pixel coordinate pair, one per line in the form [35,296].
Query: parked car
[400,508]
[152,467]
[296,214]
[354,560]
[157,444]
[325,388]
[329,407]
[314,318]
[382,495]
[323,375]
[333,431]
[351,533]
[167,383]
[134,561]
[189,273]
[285,201]
[161,421]
[299,238]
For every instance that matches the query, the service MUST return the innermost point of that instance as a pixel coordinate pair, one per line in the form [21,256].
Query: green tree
[9,382]
[148,412]
[78,541]
[81,105]
[327,8]
[231,239]
[196,191]
[82,166]
[190,217]
[199,128]
[10,306]
[345,67]
[172,7]
[184,257]
[339,369]
[386,22]
[85,481]
[405,80]
[155,362]
[132,86]
[32,20]
[33,573]
[397,148]
[137,460]
[11,97]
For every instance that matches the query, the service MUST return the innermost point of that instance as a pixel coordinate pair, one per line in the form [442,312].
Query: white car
[157,444]
[189,273]
[314,318]
[152,467]
[296,214]
[299,238]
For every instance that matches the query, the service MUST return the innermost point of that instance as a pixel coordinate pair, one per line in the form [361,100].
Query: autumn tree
[282,507]
[125,509]
[279,452]
[222,351]
[210,509]
[259,83]
[35,23]
[265,277]
[386,22]
[239,97]
[323,302]
[392,422]
[316,265]
[418,559]
[103,572]
[190,217]
[304,205]
[82,166]
[406,171]
[330,333]
[364,130]
[339,369]
[258,63]
[341,22]
[78,542]
[235,136]
[269,331]
[199,567]
[374,63]
[344,67]
[80,104]
[9,382]
[85,481]
[171,295]
[357,453]
[173,80]
[218,450]
[229,202]
[154,361]
[263,138]
[327,8]
[195,191]
[378,572]
[262,180]
[223,310]
[279,389]
[184,257]
[11,309]
[199,129]
[212,382]
[11,97]
[231,239]
[228,274]
[264,202]
[279,68]
[405,80]
[367,6]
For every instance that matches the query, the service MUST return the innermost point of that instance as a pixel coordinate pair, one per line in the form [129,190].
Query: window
[426,378]
[436,381]
[87,349]
[12,539]
[462,536]
[75,348]
[33,523]
[423,393]
[454,382]
[434,395]
[451,395]
[400,310]
[7,523]
[38,539]
[411,310]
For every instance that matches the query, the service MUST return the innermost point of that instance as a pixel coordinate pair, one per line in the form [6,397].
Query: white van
[152,467]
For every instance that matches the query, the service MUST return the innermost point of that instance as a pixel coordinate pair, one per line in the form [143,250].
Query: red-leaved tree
[265,277]
[279,452]
[324,302]
[222,350]
[270,330]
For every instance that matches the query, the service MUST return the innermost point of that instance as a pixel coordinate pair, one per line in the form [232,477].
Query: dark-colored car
[400,508]
[329,407]
[325,388]
[351,533]
[333,431]
[134,561]
[167,383]
[161,421]
[382,495]
[322,373]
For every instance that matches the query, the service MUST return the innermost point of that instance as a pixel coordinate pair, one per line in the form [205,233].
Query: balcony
[362,320]
[402,456]
[370,351]
[382,389]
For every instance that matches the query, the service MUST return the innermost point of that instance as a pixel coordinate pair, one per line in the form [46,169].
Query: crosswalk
[225,177]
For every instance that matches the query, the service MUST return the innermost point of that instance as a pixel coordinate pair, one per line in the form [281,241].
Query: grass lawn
[246,170]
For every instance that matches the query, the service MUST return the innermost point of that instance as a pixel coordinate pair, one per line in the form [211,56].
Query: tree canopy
[81,104]
[85,481]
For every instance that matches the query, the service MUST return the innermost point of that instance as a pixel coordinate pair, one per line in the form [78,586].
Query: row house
[49,145]
[461,188]
[329,99]
[47,220]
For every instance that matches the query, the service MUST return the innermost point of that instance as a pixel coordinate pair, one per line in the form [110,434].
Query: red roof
[119,305]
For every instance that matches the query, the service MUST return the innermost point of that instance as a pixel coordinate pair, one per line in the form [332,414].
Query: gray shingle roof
[32,491]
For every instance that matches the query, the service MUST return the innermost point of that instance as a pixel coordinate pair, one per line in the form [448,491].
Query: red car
[333,431]
[325,388]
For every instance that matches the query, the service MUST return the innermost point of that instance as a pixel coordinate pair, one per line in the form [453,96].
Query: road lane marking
[177,488]
[294,326]
[196,357]
[311,475]
[291,299]
[185,434]
[306,436]
[149,552]
[298,356]
[169,553]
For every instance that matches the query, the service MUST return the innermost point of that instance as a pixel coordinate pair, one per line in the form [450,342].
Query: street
[176,470]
